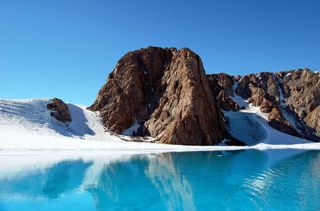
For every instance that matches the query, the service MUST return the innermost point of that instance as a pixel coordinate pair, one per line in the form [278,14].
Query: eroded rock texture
[222,90]
[290,99]
[165,93]
[60,110]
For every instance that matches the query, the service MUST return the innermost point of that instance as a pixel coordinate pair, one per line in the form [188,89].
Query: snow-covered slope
[34,117]
[26,125]
[251,125]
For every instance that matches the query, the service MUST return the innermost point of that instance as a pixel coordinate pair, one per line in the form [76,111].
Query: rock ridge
[165,93]
[291,99]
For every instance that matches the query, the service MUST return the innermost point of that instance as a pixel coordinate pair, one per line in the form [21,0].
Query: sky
[66,48]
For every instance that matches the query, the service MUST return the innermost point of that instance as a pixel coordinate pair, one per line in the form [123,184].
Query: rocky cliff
[164,93]
[290,99]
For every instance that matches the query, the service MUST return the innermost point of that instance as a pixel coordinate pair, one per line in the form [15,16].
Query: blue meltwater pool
[232,180]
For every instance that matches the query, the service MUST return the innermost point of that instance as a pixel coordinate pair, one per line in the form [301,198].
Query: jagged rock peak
[163,93]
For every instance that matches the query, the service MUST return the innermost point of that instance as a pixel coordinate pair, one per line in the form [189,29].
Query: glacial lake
[220,180]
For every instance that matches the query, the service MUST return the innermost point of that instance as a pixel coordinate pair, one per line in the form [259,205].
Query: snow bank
[26,127]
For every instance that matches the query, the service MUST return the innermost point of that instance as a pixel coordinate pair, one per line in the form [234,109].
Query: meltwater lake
[223,180]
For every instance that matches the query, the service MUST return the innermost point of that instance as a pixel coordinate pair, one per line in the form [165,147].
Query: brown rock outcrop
[165,92]
[302,91]
[264,80]
[313,120]
[263,99]
[293,93]
[222,89]
[60,110]
[280,123]
[226,103]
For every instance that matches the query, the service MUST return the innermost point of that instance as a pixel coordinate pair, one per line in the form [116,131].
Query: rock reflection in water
[49,183]
[240,180]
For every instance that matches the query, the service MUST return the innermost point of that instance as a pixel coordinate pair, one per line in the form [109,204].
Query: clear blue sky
[66,48]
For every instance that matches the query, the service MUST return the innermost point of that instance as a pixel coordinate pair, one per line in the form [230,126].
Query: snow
[255,110]
[239,100]
[245,127]
[258,75]
[290,119]
[26,127]
[251,125]
[273,137]
[281,97]
[133,129]
[242,103]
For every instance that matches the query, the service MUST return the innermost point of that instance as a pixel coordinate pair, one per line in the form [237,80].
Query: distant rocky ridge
[291,99]
[164,93]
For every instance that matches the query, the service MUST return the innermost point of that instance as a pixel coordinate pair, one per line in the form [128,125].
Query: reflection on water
[176,191]
[50,183]
[240,180]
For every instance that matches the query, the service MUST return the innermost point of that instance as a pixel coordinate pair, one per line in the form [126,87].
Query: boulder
[60,110]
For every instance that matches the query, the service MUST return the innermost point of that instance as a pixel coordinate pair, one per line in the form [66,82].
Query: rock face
[163,93]
[222,90]
[290,99]
[313,120]
[60,110]
[302,91]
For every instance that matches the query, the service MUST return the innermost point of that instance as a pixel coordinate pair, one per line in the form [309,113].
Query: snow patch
[236,98]
[274,137]
[132,129]
[290,119]
[245,127]
[240,101]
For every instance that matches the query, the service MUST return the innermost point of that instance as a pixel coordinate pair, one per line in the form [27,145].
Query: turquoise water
[238,180]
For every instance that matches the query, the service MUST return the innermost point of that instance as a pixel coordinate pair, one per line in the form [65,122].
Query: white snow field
[27,127]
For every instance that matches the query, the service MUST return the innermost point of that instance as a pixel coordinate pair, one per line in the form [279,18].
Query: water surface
[236,180]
